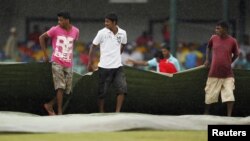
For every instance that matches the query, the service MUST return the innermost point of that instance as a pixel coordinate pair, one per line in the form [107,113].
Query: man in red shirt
[166,66]
[224,50]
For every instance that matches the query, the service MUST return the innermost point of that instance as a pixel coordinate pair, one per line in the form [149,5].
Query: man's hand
[129,61]
[206,63]
[46,59]
[90,68]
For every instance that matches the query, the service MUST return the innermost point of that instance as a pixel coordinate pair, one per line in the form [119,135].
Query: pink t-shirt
[222,50]
[63,43]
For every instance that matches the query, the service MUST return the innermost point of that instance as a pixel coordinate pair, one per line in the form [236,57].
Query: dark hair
[223,24]
[159,55]
[165,46]
[112,16]
[65,15]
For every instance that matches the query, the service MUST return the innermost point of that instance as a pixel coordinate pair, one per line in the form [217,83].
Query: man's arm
[208,52]
[235,56]
[122,48]
[91,54]
[236,52]
[177,65]
[137,63]
[43,45]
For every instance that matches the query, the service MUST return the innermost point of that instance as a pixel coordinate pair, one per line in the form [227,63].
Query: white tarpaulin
[105,122]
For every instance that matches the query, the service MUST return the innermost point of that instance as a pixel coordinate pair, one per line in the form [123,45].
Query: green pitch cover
[154,93]
[24,87]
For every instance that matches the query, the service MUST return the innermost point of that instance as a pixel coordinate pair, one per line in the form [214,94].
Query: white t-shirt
[110,47]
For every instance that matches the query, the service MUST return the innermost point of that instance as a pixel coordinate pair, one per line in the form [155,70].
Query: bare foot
[49,109]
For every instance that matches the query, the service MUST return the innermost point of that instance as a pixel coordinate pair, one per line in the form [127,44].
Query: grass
[110,136]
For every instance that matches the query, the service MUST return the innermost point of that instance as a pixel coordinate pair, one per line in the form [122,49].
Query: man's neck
[114,29]
[67,27]
[167,57]
[223,36]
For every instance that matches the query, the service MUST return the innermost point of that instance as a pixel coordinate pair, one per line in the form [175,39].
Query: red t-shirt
[222,51]
[166,66]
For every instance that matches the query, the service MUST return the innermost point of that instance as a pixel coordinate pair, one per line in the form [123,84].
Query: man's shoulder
[232,38]
[152,60]
[173,58]
[55,27]
[103,30]
[122,30]
[214,36]
[53,30]
[75,28]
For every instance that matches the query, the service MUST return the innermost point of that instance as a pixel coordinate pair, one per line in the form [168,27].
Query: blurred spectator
[248,61]
[126,54]
[81,58]
[167,55]
[34,35]
[245,45]
[193,57]
[154,62]
[182,51]
[165,66]
[240,62]
[10,48]
[165,32]
[137,54]
[144,39]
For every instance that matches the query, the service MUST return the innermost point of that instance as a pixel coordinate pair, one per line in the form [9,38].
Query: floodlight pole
[225,10]
[173,22]
[242,21]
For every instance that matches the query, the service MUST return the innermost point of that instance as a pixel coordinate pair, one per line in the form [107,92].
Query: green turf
[111,136]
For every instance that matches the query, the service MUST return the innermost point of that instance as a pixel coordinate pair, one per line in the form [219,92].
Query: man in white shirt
[112,40]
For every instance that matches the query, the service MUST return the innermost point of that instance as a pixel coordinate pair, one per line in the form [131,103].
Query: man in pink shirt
[63,36]
[224,49]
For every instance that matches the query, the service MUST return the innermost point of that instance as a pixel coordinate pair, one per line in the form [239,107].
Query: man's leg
[212,91]
[49,107]
[59,96]
[101,105]
[227,94]
[59,83]
[119,102]
[230,106]
[121,86]
[104,83]
[207,109]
